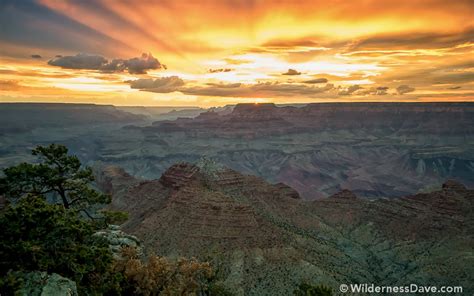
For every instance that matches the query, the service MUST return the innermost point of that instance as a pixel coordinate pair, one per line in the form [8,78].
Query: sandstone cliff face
[263,236]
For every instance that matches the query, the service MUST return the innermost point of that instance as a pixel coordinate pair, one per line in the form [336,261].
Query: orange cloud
[368,50]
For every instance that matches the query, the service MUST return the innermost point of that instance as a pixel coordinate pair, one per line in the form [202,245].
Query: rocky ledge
[178,175]
[344,194]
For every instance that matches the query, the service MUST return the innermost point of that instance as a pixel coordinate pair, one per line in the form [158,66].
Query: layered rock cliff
[263,235]
[373,149]
[252,120]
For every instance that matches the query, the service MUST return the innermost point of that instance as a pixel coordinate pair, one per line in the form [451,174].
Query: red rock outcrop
[205,208]
[193,212]
[179,175]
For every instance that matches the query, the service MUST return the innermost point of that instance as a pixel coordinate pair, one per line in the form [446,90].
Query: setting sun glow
[212,53]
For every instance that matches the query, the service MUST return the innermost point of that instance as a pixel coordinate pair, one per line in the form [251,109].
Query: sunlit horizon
[216,53]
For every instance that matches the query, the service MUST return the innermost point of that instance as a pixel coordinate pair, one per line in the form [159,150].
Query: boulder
[118,239]
[39,283]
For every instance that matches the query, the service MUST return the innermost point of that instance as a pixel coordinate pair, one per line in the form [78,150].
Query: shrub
[162,276]
[39,236]
[305,289]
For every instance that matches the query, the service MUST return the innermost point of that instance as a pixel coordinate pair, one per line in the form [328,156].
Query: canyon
[373,149]
[264,237]
[278,195]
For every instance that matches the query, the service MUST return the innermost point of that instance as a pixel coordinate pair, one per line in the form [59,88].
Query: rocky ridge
[263,236]
[256,120]
[372,149]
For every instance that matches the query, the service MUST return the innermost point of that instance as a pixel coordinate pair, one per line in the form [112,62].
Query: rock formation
[263,235]
[117,239]
[43,284]
[178,175]
[373,149]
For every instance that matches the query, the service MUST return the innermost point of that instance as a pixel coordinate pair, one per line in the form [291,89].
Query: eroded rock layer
[263,237]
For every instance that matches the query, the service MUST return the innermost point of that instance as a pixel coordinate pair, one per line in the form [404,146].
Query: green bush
[36,235]
[305,289]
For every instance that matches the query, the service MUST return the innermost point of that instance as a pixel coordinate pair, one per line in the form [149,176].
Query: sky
[213,53]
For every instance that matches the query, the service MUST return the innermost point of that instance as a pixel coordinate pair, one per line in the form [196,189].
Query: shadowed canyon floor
[265,238]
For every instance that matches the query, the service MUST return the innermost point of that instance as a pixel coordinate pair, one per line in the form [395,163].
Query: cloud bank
[291,72]
[138,65]
[277,89]
[316,81]
[403,89]
[158,85]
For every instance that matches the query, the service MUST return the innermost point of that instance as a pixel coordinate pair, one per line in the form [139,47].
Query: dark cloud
[174,83]
[96,62]
[220,90]
[377,91]
[142,64]
[36,56]
[219,70]
[316,81]
[454,87]
[225,85]
[283,89]
[291,72]
[350,90]
[403,89]
[381,90]
[79,61]
[158,85]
